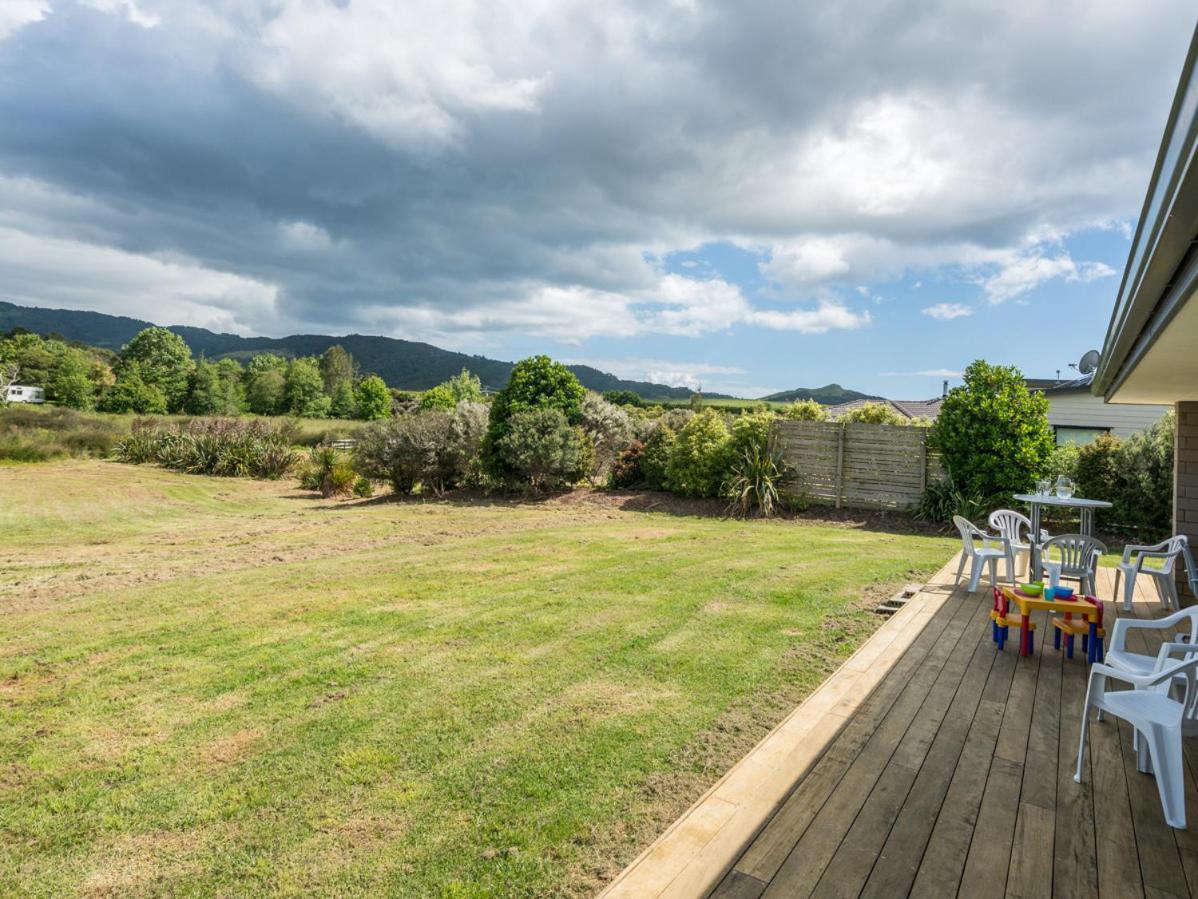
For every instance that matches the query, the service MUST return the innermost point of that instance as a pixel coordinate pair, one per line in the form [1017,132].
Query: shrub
[373,398]
[411,451]
[699,458]
[223,447]
[467,429]
[655,461]
[756,481]
[329,472]
[439,397]
[609,429]
[1144,500]
[750,430]
[626,471]
[543,450]
[873,413]
[993,433]
[942,499]
[676,419]
[465,387]
[131,393]
[805,410]
[1097,470]
[363,487]
[1063,461]
[536,383]
[70,385]
[624,398]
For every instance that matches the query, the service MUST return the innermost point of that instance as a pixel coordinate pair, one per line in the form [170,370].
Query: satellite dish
[1088,363]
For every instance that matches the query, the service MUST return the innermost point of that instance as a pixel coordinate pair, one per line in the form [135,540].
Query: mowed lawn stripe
[512,707]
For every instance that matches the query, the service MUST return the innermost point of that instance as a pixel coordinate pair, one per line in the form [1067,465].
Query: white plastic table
[1037,500]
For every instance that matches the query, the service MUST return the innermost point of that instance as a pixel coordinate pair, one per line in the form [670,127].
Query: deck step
[899,600]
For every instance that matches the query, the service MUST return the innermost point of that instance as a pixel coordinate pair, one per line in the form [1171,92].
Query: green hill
[828,395]
[406,364]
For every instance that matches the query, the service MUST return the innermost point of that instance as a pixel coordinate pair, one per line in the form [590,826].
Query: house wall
[1081,409]
[1185,486]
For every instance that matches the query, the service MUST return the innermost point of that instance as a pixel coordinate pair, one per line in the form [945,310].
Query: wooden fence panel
[857,465]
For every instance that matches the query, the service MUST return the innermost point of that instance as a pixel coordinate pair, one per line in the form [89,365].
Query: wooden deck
[955,778]
[934,765]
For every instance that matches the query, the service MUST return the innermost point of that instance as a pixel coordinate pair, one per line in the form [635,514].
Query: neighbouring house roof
[906,408]
[1147,356]
[1053,385]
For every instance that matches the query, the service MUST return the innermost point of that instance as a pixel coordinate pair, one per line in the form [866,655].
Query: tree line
[155,373]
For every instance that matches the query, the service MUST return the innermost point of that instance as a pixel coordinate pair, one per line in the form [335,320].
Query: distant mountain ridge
[405,364]
[828,395]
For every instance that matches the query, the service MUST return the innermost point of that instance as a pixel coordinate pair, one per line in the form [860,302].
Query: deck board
[956,778]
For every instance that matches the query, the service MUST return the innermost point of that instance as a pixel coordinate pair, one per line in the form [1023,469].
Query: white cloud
[1026,271]
[947,311]
[694,375]
[408,73]
[305,236]
[16,14]
[454,168]
[828,316]
[925,373]
[671,304]
[130,8]
[59,273]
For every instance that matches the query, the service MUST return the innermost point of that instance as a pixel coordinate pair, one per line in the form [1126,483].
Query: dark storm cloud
[438,167]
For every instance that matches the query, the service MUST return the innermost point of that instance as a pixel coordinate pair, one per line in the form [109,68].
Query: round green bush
[536,383]
[993,433]
[699,459]
[543,451]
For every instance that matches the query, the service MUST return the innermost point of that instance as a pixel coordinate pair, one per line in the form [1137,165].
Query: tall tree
[163,360]
[337,366]
[266,381]
[303,394]
[374,399]
[132,393]
[214,388]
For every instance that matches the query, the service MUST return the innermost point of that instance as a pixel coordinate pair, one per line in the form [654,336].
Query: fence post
[839,464]
[923,463]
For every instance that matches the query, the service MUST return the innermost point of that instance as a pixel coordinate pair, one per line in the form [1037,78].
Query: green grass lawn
[219,687]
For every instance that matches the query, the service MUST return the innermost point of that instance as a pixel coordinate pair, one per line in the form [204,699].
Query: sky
[743,197]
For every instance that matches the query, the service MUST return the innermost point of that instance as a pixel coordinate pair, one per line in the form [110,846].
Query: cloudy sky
[747,196]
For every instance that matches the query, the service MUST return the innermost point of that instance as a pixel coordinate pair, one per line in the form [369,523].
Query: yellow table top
[1073,606]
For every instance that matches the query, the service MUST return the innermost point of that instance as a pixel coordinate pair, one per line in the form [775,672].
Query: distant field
[226,687]
[31,433]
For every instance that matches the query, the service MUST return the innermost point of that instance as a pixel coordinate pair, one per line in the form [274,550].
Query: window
[1071,436]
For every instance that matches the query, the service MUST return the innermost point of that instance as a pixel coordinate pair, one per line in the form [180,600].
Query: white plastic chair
[1158,720]
[1014,525]
[1162,577]
[992,549]
[1079,556]
[1183,623]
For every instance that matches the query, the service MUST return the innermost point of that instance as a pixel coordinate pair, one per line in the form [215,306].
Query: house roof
[1147,356]
[906,408]
[1054,385]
